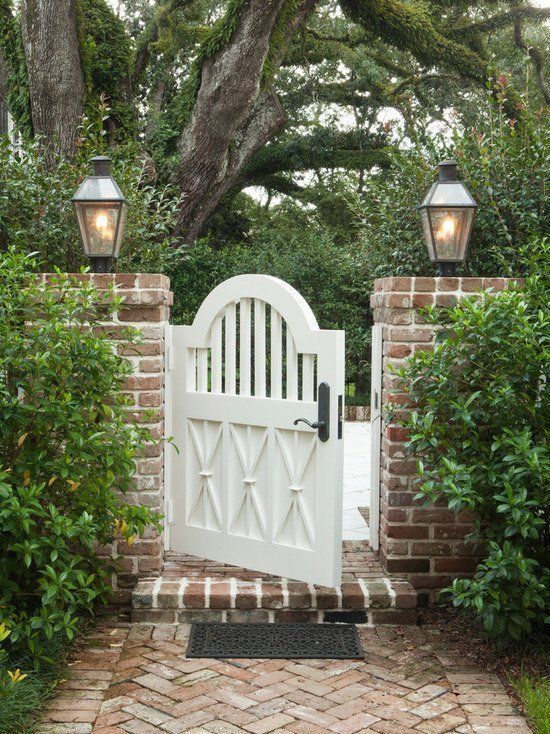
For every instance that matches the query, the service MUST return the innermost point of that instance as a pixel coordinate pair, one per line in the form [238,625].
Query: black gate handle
[322,424]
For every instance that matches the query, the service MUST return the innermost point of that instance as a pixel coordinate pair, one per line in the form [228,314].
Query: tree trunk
[56,81]
[231,118]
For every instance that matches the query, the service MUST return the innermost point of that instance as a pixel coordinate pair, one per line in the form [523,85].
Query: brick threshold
[190,589]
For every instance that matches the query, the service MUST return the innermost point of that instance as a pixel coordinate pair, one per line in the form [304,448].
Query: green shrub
[36,212]
[65,447]
[480,431]
[505,167]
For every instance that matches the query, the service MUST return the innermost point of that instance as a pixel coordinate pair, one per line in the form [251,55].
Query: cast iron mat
[291,640]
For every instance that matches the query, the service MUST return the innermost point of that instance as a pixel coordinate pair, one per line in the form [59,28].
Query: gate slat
[216,355]
[291,367]
[245,347]
[307,377]
[202,370]
[276,354]
[259,348]
[230,349]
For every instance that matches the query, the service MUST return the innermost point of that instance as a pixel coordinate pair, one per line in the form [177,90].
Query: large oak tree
[220,93]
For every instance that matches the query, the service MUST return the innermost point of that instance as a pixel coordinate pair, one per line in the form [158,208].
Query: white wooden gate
[248,487]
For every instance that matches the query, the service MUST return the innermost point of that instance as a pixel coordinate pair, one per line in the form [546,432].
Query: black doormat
[285,640]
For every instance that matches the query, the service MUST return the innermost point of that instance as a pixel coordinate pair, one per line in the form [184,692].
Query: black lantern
[101,213]
[447,215]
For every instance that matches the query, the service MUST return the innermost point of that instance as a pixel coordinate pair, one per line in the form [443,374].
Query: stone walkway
[135,679]
[356,479]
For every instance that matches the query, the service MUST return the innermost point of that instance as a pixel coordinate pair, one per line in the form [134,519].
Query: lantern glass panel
[451,231]
[100,227]
[425,219]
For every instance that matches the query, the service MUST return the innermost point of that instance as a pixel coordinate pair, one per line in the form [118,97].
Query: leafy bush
[36,213]
[480,431]
[65,447]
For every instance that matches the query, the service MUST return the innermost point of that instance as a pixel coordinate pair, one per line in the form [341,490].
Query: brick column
[147,300]
[424,544]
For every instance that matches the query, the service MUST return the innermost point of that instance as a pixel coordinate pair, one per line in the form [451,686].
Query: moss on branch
[323,149]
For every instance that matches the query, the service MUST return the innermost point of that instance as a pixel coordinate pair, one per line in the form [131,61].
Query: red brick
[126,280]
[193,596]
[299,596]
[396,433]
[220,595]
[143,383]
[448,284]
[150,399]
[407,565]
[421,300]
[424,284]
[141,313]
[408,531]
[431,549]
[471,285]
[445,300]
[398,351]
[398,300]
[147,280]
[454,564]
[432,515]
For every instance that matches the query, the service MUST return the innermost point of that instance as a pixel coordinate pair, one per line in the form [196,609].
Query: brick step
[171,600]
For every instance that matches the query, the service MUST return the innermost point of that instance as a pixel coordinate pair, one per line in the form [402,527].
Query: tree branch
[151,32]
[411,28]
[535,56]
[499,21]
[324,149]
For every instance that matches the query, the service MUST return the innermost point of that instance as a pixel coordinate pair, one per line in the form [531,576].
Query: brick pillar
[424,544]
[147,300]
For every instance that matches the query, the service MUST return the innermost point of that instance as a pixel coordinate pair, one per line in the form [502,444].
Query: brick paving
[135,679]
[191,588]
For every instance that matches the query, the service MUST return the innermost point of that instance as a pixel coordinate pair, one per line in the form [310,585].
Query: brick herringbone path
[133,679]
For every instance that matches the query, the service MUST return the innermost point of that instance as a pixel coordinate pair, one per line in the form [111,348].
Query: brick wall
[147,300]
[424,544]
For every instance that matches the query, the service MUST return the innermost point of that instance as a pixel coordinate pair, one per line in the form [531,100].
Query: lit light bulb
[101,222]
[446,231]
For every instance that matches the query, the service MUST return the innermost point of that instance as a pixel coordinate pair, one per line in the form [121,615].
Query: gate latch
[322,424]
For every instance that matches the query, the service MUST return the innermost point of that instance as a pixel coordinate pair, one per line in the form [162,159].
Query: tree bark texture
[56,81]
[231,119]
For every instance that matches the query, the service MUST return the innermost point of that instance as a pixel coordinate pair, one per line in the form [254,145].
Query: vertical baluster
[307,377]
[230,349]
[259,348]
[202,370]
[216,342]
[191,370]
[276,354]
[291,367]
[245,348]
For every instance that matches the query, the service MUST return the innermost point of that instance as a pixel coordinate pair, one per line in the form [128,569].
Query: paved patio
[356,479]
[135,679]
